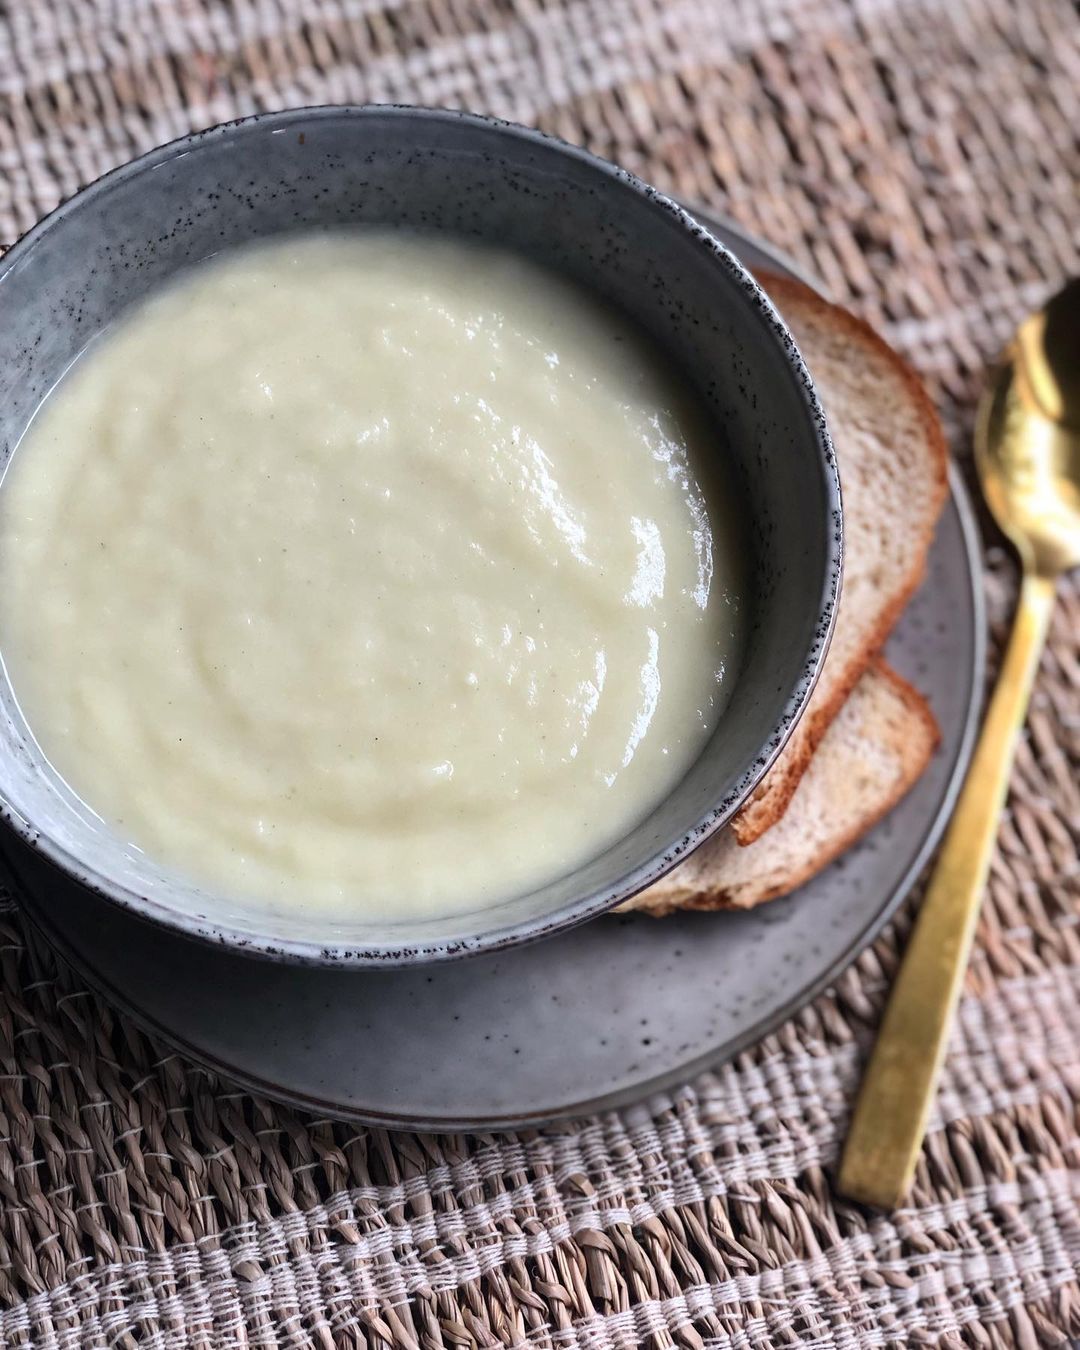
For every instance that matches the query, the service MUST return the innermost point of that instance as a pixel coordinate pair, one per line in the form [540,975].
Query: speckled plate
[594,1018]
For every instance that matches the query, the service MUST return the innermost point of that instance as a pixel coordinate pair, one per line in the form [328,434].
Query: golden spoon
[1027,450]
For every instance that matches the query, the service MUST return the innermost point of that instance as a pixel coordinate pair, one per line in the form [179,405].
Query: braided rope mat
[922,158]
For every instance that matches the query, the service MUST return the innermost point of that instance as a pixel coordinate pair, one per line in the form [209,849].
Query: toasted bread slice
[893,464]
[878,745]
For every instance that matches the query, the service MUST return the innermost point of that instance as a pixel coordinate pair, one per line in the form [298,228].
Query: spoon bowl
[1027,440]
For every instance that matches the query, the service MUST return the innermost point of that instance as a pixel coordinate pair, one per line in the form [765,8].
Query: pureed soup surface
[369,572]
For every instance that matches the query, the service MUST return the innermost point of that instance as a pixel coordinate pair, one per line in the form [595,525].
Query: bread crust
[771,798]
[912,743]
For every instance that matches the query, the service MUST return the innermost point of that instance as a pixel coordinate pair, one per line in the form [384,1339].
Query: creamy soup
[373,573]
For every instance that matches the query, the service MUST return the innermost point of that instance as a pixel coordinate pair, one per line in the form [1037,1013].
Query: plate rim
[733,236]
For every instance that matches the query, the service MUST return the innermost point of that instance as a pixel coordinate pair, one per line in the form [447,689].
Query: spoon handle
[894,1102]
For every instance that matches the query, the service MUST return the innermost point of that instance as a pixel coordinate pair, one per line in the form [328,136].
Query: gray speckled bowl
[103,250]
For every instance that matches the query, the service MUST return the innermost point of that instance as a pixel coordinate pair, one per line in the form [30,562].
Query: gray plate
[595,1018]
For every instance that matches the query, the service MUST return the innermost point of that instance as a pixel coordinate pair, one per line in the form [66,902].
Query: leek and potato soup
[372,573]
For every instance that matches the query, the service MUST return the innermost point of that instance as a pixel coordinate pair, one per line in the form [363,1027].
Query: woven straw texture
[920,157]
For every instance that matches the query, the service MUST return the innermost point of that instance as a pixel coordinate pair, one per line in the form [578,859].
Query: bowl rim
[310,951]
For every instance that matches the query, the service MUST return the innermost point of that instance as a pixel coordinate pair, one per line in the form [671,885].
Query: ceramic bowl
[133,229]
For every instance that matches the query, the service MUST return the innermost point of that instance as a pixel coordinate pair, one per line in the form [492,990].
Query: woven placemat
[922,158]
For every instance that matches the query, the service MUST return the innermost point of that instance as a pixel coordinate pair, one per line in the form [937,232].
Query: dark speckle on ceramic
[132,230]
